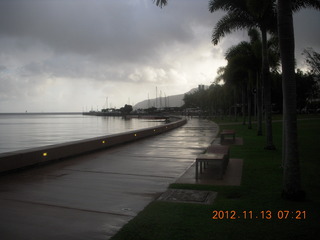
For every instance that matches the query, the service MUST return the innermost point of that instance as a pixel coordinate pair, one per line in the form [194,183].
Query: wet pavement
[92,196]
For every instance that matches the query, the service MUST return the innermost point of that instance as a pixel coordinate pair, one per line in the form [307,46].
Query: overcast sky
[70,55]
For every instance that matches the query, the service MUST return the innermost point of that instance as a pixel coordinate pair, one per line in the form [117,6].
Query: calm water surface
[22,131]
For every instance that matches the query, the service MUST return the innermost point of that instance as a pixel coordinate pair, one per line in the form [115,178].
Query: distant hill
[169,101]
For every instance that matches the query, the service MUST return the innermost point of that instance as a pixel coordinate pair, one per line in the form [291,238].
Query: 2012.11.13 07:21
[264,214]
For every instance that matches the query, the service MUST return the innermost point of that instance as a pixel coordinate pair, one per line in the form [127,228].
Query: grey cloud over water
[62,55]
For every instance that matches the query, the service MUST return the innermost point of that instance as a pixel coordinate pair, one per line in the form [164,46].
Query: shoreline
[41,113]
[25,158]
[26,131]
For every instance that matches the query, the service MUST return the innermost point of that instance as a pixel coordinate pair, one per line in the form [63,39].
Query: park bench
[216,148]
[221,149]
[227,132]
[217,154]
[207,158]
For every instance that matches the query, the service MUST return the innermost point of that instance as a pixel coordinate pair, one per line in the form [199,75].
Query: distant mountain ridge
[169,101]
[161,102]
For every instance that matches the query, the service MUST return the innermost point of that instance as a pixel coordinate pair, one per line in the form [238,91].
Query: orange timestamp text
[264,214]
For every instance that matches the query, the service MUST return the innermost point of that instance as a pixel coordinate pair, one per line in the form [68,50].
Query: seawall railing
[25,158]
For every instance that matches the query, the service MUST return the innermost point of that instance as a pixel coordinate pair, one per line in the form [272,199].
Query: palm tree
[246,55]
[243,58]
[223,97]
[236,78]
[247,14]
[291,175]
[238,72]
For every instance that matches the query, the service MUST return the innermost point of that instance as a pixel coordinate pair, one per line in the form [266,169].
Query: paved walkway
[93,196]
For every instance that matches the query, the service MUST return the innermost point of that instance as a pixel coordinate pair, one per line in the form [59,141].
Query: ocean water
[23,131]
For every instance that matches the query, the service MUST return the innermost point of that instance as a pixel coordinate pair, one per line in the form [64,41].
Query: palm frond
[258,8]
[231,22]
[312,59]
[243,49]
[161,3]
[218,79]
[300,4]
[235,71]
[220,70]
[226,5]
[273,42]
[254,35]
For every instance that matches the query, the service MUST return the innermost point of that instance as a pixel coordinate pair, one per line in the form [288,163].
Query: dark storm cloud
[44,43]
[100,34]
[115,31]
[118,30]
[307,33]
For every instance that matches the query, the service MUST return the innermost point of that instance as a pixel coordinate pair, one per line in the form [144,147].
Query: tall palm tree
[285,8]
[223,97]
[291,175]
[247,14]
[244,14]
[244,56]
[238,70]
[236,77]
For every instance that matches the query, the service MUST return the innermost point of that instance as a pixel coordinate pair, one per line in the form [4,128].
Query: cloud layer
[69,55]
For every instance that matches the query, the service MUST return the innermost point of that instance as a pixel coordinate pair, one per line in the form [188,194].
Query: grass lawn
[258,196]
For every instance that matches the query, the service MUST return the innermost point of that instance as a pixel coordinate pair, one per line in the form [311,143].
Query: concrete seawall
[23,158]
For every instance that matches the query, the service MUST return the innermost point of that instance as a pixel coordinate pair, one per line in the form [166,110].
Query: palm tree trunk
[291,175]
[249,98]
[259,105]
[267,90]
[244,90]
[235,105]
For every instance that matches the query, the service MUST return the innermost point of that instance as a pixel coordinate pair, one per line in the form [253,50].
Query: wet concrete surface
[92,196]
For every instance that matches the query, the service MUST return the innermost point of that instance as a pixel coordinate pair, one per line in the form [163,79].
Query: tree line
[271,18]
[234,91]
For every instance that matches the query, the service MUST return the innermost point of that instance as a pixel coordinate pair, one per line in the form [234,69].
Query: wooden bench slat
[218,149]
